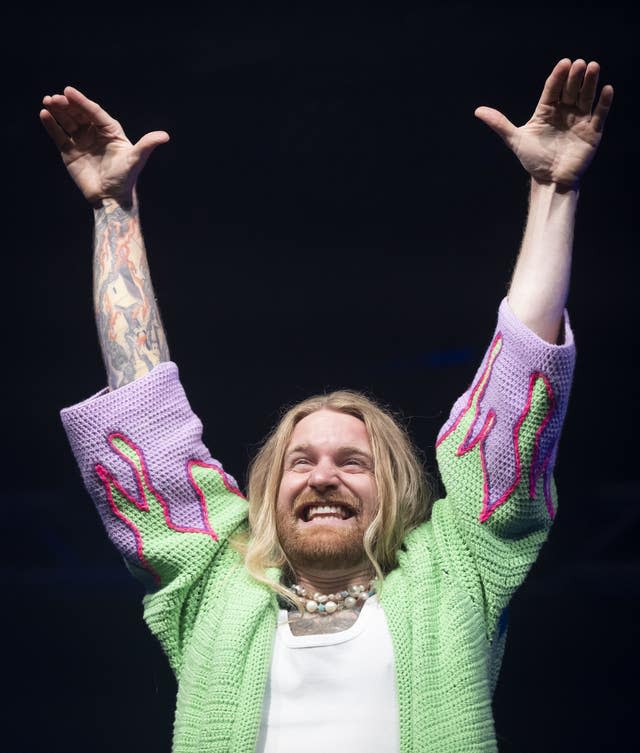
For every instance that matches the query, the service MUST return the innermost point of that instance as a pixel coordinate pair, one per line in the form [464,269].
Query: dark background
[327,214]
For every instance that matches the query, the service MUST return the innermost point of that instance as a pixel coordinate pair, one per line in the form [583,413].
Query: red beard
[323,543]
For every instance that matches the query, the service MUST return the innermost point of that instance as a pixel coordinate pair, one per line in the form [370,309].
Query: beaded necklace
[329,603]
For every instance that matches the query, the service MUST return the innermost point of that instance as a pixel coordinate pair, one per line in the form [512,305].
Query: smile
[325,512]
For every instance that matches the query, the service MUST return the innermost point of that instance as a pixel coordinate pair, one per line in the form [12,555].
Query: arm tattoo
[131,334]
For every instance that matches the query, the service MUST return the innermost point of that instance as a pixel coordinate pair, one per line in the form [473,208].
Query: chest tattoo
[316,624]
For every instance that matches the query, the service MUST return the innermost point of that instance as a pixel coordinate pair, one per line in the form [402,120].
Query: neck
[329,581]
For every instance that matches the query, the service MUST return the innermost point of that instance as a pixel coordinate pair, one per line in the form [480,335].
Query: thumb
[148,143]
[497,122]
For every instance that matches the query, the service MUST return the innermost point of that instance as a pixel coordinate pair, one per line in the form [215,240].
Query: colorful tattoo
[129,327]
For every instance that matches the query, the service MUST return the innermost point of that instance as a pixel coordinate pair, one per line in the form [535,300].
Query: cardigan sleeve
[496,454]
[166,504]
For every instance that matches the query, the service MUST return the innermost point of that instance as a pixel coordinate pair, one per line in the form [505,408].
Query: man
[341,605]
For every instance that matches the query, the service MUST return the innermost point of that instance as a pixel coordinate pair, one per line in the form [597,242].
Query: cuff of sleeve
[509,323]
[154,414]
[161,381]
[148,410]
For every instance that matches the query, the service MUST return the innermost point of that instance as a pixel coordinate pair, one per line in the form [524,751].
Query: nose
[324,476]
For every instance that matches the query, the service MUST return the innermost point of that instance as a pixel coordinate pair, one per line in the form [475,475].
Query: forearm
[130,331]
[540,282]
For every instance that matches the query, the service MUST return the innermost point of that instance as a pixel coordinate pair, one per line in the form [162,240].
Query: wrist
[108,204]
[551,187]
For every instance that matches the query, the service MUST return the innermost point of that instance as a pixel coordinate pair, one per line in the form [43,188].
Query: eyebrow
[345,450]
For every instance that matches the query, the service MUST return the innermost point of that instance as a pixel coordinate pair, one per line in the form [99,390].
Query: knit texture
[170,509]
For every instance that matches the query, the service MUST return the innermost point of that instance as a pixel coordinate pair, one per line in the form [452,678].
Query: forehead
[330,429]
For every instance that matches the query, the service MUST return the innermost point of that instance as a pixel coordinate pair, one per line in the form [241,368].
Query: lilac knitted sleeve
[166,503]
[496,454]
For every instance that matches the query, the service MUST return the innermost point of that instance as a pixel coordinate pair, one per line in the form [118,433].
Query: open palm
[94,148]
[559,141]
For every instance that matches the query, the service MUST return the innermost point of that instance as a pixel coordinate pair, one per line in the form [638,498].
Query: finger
[60,138]
[553,85]
[48,99]
[589,85]
[602,108]
[85,110]
[148,143]
[497,122]
[58,106]
[571,87]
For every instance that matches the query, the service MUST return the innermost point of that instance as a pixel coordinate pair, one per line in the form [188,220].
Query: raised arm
[555,147]
[167,505]
[497,450]
[105,166]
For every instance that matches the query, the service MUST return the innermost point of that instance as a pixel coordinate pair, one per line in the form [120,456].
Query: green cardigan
[170,509]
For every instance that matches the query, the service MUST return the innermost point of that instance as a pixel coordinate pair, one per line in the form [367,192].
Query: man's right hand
[99,157]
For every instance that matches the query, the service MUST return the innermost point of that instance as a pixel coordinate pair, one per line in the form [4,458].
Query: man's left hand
[560,140]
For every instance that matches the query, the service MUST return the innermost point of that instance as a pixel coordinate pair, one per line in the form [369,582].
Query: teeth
[326,510]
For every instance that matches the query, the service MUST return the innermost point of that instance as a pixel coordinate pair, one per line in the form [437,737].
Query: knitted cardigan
[170,508]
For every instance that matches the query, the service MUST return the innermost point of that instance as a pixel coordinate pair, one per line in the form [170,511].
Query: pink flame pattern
[145,488]
[540,463]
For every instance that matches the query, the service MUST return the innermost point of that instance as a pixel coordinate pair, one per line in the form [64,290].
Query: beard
[321,544]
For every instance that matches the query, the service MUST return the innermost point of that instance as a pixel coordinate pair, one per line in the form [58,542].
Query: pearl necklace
[329,603]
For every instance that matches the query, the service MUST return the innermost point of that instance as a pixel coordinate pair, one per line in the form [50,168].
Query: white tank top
[334,691]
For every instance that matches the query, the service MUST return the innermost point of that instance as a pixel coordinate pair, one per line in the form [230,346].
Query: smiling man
[327,499]
[332,530]
[341,604]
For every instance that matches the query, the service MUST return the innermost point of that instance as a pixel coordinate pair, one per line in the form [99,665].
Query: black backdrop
[328,213]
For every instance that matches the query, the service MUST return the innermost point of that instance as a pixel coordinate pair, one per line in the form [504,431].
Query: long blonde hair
[403,487]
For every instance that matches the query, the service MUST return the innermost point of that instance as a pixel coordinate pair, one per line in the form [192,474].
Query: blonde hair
[403,488]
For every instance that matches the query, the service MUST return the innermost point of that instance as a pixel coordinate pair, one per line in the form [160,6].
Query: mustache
[309,498]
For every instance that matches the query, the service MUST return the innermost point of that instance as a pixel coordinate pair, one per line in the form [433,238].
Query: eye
[356,464]
[297,462]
